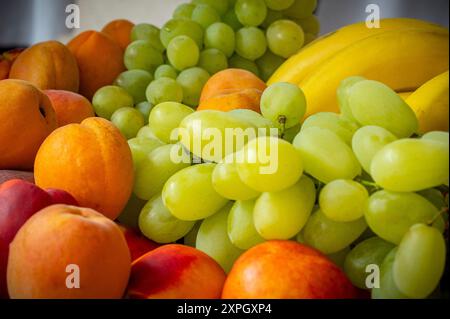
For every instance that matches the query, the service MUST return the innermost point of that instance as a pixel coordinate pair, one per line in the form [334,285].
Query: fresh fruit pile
[190,177]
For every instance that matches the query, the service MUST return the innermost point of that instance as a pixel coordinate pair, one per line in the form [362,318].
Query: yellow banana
[430,103]
[297,67]
[402,59]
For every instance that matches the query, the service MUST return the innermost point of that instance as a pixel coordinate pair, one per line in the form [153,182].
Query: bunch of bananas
[408,55]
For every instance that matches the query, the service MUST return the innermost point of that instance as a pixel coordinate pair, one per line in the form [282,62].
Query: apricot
[100,60]
[64,247]
[233,99]
[91,161]
[286,270]
[47,65]
[70,107]
[120,31]
[223,81]
[5,66]
[27,118]
[175,272]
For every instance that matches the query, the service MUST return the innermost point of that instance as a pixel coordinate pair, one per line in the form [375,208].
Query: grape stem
[369,184]
[282,121]
[440,213]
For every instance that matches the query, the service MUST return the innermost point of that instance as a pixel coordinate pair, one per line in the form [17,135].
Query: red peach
[60,196]
[138,244]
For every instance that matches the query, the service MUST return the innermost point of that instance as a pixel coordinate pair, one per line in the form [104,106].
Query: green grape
[147,32]
[227,183]
[147,132]
[231,19]
[336,123]
[283,103]
[369,252]
[130,214]
[374,103]
[109,99]
[158,224]
[309,38]
[390,215]
[189,194]
[221,37]
[141,147]
[135,82]
[437,136]
[212,239]
[388,289]
[238,62]
[411,165]
[283,214]
[420,261]
[213,60]
[128,120]
[205,15]
[343,200]
[255,119]
[220,6]
[191,237]
[279,4]
[156,168]
[164,90]
[251,43]
[271,17]
[326,156]
[367,141]
[251,13]
[176,27]
[329,236]
[301,9]
[241,229]
[166,71]
[211,135]
[166,117]
[343,92]
[285,38]
[310,25]
[268,64]
[143,56]
[192,81]
[183,11]
[269,164]
[145,108]
[292,132]
[435,197]
[182,52]
[338,258]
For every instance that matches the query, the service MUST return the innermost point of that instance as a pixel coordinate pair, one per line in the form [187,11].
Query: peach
[233,99]
[65,252]
[70,107]
[27,118]
[100,60]
[286,270]
[6,61]
[47,65]
[175,272]
[137,243]
[120,31]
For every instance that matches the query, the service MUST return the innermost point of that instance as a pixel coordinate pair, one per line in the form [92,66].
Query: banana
[430,103]
[405,95]
[402,59]
[297,67]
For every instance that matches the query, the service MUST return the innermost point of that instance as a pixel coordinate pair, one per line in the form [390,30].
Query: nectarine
[70,107]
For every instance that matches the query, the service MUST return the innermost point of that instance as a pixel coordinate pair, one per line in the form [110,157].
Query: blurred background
[23,22]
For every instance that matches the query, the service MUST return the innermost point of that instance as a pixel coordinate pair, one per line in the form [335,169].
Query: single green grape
[147,32]
[268,64]
[135,82]
[238,62]
[343,200]
[285,38]
[191,237]
[165,119]
[164,90]
[279,4]
[231,19]
[343,92]
[166,71]
[435,197]
[255,119]
[190,195]
[271,17]
[130,214]
[241,228]
[437,136]
[213,60]
[176,27]
[192,81]
[220,6]
[109,99]
[301,9]
[183,11]
[213,239]
[159,225]
[251,43]
[283,103]
[220,36]
[283,214]
[156,169]
[145,108]
[250,13]
[290,134]
[147,132]
[143,56]
[182,52]
[128,120]
[310,25]
[205,15]
[141,147]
